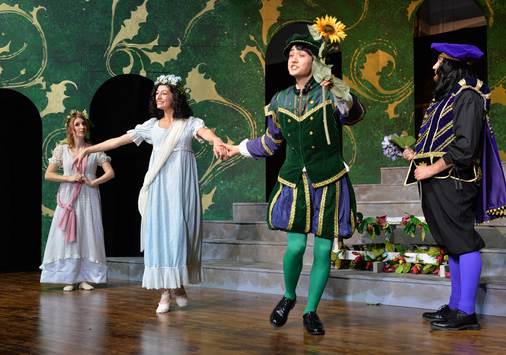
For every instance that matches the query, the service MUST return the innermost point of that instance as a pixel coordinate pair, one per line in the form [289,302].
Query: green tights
[292,267]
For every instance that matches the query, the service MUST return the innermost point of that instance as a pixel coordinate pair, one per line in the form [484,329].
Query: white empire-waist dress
[173,220]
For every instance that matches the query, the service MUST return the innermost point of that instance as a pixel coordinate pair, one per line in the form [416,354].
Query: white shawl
[165,151]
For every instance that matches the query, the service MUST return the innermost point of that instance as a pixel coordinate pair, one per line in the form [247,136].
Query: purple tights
[465,273]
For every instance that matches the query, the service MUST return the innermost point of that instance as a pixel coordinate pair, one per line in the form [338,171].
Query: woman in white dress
[75,251]
[169,201]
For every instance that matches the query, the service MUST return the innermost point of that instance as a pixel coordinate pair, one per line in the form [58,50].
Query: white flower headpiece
[173,80]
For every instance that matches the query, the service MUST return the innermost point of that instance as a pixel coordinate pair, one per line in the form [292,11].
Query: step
[249,212]
[380,192]
[407,290]
[394,175]
[242,231]
[250,251]
[391,208]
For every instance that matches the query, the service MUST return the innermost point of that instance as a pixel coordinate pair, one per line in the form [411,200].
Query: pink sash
[67,221]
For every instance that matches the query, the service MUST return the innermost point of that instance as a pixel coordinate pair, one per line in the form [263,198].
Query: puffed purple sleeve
[355,114]
[267,144]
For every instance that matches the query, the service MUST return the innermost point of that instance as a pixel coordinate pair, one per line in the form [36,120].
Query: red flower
[406,219]
[358,259]
[388,268]
[382,221]
[416,269]
[369,265]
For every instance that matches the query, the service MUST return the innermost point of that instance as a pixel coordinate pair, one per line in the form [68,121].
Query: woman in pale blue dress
[171,231]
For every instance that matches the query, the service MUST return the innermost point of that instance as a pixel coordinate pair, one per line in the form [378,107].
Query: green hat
[305,40]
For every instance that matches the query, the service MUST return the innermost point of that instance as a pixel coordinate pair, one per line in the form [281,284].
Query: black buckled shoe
[280,313]
[442,313]
[312,323]
[457,320]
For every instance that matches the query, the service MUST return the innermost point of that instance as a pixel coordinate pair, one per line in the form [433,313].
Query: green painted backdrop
[58,53]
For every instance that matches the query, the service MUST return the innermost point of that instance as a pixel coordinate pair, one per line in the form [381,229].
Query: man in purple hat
[461,181]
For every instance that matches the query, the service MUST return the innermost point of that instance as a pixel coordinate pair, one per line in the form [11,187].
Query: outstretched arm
[109,144]
[218,146]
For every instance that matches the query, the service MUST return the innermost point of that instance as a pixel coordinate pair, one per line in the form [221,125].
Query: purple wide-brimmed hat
[466,53]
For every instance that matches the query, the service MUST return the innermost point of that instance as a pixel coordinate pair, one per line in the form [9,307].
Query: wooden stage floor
[120,318]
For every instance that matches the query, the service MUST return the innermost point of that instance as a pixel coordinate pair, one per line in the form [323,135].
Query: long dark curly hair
[449,73]
[181,107]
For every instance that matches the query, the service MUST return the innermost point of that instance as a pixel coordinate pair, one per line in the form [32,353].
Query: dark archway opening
[441,21]
[118,106]
[277,79]
[20,183]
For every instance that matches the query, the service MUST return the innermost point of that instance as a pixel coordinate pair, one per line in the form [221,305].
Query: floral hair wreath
[174,81]
[74,113]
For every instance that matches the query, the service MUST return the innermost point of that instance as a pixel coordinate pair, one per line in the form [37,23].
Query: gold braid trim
[443,130]
[274,199]
[273,115]
[277,141]
[308,203]
[361,115]
[322,211]
[293,209]
[331,180]
[446,143]
[304,116]
[444,55]
[501,211]
[429,154]
[265,146]
[336,212]
[286,182]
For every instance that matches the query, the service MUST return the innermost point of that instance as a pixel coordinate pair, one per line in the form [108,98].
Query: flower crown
[174,81]
[74,113]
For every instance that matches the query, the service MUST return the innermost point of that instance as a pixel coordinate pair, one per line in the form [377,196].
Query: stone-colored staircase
[243,254]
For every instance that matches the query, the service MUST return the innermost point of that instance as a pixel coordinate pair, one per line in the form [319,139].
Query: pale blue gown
[173,237]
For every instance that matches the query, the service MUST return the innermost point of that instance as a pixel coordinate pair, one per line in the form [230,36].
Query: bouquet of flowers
[393,145]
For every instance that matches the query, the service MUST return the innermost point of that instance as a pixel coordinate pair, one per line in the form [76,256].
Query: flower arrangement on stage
[401,261]
[393,145]
[396,258]
[373,226]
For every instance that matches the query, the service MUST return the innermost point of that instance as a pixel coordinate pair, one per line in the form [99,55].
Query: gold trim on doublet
[322,211]
[304,116]
[332,179]
[293,209]
[308,203]
[274,200]
[336,212]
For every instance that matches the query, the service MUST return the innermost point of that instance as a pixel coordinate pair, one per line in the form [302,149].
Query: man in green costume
[313,193]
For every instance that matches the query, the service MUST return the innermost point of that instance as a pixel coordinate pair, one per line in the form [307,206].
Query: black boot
[442,313]
[457,320]
[280,313]
[312,323]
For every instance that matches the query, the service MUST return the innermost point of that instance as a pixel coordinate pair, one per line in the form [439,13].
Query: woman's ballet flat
[68,288]
[182,300]
[164,307]
[85,286]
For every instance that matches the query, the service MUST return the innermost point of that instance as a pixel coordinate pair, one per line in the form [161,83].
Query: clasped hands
[80,179]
